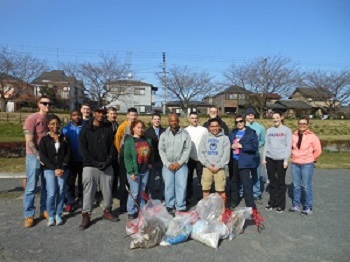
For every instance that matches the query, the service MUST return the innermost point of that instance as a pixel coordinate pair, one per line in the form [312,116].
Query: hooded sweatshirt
[72,132]
[214,150]
[310,148]
[174,148]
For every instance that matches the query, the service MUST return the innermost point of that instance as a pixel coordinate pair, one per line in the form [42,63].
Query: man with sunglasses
[35,128]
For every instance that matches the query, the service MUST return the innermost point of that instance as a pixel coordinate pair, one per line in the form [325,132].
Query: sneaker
[122,210]
[107,214]
[306,212]
[29,222]
[268,208]
[258,200]
[44,215]
[171,211]
[294,209]
[69,208]
[51,222]
[133,216]
[279,210]
[59,220]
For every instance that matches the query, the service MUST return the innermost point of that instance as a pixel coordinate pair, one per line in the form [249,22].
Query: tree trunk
[3,104]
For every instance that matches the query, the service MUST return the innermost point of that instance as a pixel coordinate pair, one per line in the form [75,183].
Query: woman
[306,148]
[244,145]
[55,155]
[278,144]
[138,159]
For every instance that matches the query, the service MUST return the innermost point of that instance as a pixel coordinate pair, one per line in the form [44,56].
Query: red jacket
[310,148]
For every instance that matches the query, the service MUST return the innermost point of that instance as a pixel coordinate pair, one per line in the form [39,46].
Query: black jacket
[151,134]
[222,124]
[96,145]
[50,158]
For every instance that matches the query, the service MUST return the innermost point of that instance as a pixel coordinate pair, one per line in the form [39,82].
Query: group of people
[91,154]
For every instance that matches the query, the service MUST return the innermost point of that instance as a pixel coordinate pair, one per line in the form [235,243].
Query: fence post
[7,117]
[20,118]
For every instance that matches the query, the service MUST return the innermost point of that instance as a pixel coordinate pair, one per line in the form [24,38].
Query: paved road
[324,236]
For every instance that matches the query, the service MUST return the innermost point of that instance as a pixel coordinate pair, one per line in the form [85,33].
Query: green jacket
[130,155]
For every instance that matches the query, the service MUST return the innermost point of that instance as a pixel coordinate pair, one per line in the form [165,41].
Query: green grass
[12,165]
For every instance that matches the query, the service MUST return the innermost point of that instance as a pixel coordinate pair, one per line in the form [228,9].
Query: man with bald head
[174,150]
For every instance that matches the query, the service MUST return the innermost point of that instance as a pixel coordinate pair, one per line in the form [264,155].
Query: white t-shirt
[196,134]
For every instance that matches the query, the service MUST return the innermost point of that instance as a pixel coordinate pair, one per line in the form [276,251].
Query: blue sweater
[72,132]
[250,145]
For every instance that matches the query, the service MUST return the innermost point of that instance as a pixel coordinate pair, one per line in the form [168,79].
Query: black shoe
[279,210]
[258,200]
[122,210]
[133,216]
[171,211]
[268,208]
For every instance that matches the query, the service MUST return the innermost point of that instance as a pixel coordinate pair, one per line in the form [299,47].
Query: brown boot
[107,214]
[85,223]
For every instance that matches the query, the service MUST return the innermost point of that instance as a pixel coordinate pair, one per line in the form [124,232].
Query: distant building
[124,94]
[200,107]
[69,92]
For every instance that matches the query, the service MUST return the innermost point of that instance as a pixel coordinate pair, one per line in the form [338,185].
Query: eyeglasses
[46,103]
[302,124]
[239,121]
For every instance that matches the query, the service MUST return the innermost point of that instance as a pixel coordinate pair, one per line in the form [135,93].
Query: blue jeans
[137,189]
[155,182]
[175,187]
[302,178]
[56,191]
[33,172]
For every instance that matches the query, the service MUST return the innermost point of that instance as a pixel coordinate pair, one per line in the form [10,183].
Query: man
[112,118]
[196,133]
[214,154]
[86,111]
[72,131]
[257,178]
[174,150]
[155,181]
[98,152]
[124,130]
[213,113]
[35,128]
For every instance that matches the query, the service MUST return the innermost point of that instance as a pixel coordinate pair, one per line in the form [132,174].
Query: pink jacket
[310,148]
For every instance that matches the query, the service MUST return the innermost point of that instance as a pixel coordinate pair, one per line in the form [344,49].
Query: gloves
[102,166]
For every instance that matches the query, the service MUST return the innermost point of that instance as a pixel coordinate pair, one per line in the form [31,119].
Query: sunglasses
[239,121]
[46,103]
[302,124]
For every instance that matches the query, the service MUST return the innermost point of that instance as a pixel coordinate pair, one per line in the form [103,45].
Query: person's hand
[285,164]
[176,166]
[102,166]
[234,146]
[171,167]
[58,172]
[239,145]
[264,162]
[133,177]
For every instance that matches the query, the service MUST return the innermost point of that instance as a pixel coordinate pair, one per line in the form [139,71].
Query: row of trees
[263,76]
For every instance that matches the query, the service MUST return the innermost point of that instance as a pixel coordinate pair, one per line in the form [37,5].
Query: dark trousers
[194,165]
[115,166]
[75,171]
[123,193]
[277,176]
[241,176]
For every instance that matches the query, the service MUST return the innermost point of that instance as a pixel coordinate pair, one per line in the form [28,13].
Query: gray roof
[190,103]
[297,104]
[56,76]
[319,93]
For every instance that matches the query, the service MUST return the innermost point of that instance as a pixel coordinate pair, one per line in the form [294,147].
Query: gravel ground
[324,236]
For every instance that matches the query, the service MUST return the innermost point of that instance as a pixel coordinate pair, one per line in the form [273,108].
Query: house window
[230,96]
[142,109]
[241,96]
[139,91]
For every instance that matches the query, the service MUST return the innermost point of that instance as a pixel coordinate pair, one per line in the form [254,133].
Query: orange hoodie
[120,134]
[310,148]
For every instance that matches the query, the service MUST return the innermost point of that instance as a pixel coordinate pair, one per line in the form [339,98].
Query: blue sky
[205,35]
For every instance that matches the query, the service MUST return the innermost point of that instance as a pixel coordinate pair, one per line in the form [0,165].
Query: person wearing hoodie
[244,145]
[55,157]
[213,113]
[214,154]
[278,145]
[98,152]
[174,150]
[72,131]
[306,148]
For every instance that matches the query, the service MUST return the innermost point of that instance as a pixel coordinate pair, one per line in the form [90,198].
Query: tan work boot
[44,215]
[29,222]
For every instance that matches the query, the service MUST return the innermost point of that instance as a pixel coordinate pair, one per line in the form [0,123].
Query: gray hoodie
[278,143]
[214,150]
[176,148]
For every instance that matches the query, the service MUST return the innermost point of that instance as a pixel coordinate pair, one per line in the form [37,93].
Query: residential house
[319,98]
[200,107]
[230,101]
[68,91]
[291,108]
[14,93]
[124,94]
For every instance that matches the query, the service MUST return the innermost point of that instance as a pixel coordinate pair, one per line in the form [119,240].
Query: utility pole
[164,84]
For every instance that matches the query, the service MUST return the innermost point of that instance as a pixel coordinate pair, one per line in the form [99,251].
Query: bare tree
[103,79]
[265,77]
[331,88]
[17,70]
[185,85]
